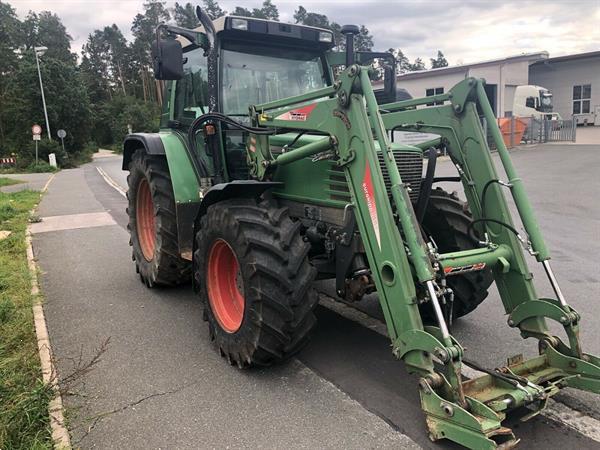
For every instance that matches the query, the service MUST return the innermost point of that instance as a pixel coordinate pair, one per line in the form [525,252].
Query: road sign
[61,134]
[36,129]
[37,137]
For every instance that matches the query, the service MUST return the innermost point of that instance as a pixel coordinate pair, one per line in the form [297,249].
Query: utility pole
[39,51]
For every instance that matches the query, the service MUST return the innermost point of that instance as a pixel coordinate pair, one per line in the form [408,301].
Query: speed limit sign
[36,129]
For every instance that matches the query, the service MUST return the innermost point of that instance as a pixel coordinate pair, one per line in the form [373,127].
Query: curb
[60,434]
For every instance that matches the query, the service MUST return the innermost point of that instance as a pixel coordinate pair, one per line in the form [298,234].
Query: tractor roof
[269,31]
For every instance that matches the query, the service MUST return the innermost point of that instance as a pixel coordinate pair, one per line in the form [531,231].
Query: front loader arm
[350,135]
[468,412]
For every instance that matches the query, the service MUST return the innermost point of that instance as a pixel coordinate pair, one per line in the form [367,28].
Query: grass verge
[4,181]
[24,422]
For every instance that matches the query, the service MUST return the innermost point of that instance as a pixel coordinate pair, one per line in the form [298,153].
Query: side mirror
[387,94]
[389,84]
[167,59]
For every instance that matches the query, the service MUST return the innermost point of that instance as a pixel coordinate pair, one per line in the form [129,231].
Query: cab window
[191,92]
[530,102]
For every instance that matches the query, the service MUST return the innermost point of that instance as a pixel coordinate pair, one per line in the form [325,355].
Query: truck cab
[534,101]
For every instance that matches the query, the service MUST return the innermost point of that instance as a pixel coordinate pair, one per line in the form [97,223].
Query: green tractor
[275,165]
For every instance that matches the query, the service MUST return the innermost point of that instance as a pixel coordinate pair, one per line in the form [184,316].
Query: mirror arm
[190,35]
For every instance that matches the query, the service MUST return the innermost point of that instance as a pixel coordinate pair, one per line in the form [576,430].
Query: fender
[234,189]
[184,180]
[149,141]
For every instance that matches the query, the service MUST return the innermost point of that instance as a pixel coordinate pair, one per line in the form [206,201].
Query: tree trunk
[144,85]
[122,80]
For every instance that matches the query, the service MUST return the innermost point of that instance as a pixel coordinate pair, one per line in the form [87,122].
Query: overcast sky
[466,31]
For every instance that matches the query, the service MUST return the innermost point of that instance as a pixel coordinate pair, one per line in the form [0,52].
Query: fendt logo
[367,187]
[298,115]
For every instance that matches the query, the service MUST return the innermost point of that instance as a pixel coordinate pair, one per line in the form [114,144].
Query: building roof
[565,58]
[532,57]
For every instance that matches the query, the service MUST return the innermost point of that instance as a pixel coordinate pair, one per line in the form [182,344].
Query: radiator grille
[410,165]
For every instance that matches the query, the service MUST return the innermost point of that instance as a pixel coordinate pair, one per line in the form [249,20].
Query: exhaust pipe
[206,22]
[350,31]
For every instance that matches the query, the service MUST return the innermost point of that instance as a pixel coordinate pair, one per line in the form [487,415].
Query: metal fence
[531,130]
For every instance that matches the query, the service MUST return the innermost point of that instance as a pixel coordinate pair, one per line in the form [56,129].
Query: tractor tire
[152,222]
[253,275]
[447,219]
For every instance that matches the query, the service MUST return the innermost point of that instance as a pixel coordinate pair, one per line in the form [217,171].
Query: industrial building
[573,80]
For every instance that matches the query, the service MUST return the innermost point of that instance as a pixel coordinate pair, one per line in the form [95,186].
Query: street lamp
[39,51]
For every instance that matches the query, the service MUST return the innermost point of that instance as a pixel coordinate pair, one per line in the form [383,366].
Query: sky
[466,31]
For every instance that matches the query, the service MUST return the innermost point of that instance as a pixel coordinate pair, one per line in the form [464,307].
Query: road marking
[72,221]
[60,434]
[45,188]
[111,182]
[559,412]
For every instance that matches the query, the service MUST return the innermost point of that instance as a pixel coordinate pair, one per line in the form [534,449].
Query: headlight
[239,24]
[325,36]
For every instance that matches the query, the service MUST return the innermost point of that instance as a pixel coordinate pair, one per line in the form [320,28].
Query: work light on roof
[325,36]
[239,24]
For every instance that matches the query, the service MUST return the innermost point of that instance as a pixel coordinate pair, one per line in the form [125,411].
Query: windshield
[255,76]
[546,102]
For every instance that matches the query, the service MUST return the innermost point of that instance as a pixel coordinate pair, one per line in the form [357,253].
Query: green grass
[24,422]
[9,181]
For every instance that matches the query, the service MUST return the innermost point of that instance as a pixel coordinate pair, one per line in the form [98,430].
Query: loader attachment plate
[490,397]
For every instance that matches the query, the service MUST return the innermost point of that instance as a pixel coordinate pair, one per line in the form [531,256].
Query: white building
[574,81]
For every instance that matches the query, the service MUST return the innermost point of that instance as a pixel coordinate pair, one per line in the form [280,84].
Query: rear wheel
[255,281]
[152,222]
[446,220]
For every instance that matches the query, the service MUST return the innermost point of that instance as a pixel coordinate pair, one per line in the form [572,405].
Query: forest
[96,96]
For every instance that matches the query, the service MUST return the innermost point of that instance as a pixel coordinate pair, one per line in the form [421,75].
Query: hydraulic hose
[218,117]
[426,185]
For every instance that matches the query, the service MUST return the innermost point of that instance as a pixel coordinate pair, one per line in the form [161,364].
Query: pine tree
[440,61]
[417,65]
[185,15]
[212,9]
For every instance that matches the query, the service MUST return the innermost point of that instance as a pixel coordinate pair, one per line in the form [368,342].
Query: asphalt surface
[160,384]
[33,181]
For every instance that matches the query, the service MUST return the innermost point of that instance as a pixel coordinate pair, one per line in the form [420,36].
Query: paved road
[344,391]
[33,181]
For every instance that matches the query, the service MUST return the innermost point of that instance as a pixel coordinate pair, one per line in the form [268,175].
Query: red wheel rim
[224,283]
[144,218]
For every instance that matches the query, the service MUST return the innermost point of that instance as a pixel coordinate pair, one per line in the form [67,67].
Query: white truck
[536,101]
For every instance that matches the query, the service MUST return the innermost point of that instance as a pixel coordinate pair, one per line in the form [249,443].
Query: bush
[45,147]
[83,156]
[41,167]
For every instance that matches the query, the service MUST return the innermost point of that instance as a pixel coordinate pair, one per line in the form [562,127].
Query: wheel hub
[145,223]
[225,287]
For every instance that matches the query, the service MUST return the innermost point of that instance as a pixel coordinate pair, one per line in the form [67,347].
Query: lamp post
[39,51]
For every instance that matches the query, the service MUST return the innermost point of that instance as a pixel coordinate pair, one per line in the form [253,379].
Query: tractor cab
[233,62]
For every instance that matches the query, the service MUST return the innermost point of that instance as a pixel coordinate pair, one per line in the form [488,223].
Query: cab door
[190,101]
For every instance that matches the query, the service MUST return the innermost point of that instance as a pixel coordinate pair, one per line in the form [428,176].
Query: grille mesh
[410,166]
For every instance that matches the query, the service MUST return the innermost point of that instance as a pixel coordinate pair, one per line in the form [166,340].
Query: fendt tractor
[275,165]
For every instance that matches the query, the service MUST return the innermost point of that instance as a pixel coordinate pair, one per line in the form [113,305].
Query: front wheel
[447,220]
[255,282]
